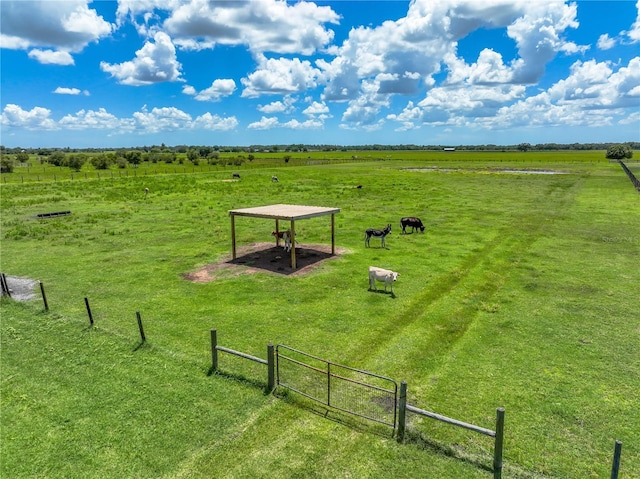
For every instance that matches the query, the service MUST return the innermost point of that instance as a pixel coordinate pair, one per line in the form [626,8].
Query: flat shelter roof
[285,212]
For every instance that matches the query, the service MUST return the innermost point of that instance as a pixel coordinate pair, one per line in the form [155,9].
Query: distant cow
[284,235]
[382,234]
[412,222]
[236,175]
[383,275]
[274,179]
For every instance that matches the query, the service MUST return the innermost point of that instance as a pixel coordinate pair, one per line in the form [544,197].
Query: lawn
[521,293]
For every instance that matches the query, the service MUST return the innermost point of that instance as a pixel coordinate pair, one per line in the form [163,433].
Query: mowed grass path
[521,294]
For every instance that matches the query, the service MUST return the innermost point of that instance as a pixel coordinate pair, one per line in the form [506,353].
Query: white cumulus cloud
[154,63]
[54,29]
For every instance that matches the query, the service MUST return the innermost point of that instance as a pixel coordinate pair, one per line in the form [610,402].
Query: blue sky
[450,72]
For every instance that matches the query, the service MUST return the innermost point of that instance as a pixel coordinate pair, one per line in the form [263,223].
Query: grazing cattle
[274,179]
[413,222]
[284,235]
[236,175]
[383,275]
[382,234]
[359,187]
[146,192]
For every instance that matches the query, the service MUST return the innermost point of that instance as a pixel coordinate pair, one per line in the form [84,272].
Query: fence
[631,176]
[498,434]
[342,390]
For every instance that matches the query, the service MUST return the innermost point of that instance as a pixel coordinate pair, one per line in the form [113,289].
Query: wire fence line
[631,176]
[361,393]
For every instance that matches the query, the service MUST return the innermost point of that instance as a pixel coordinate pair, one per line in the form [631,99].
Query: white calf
[385,275]
[286,236]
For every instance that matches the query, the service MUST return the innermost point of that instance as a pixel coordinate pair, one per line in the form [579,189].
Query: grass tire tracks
[496,258]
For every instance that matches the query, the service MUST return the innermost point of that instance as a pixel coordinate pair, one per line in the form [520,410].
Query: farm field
[521,293]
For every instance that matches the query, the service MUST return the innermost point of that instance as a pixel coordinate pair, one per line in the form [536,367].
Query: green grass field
[521,294]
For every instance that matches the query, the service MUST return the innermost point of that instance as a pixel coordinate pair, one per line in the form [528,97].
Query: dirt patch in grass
[22,289]
[261,257]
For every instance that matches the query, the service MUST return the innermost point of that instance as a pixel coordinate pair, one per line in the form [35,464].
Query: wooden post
[233,236]
[402,411]
[5,285]
[271,367]
[214,350]
[277,231]
[333,234]
[497,450]
[140,327]
[86,302]
[293,244]
[615,467]
[44,297]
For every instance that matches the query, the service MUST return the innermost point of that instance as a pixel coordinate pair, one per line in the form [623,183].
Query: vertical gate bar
[402,413]
[270,367]
[277,366]
[497,450]
[214,350]
[615,467]
[328,383]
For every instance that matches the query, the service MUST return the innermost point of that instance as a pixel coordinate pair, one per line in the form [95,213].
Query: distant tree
[76,161]
[22,157]
[57,158]
[619,152]
[524,146]
[134,157]
[251,157]
[193,155]
[101,162]
[6,164]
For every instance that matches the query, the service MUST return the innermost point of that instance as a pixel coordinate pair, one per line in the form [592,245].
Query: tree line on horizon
[103,159]
[299,148]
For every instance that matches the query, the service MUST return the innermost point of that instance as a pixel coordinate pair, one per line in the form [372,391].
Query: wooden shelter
[291,213]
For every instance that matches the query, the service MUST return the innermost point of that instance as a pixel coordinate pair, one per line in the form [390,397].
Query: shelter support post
[233,236]
[293,244]
[333,234]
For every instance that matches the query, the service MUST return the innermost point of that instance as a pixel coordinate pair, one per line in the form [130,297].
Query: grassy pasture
[522,293]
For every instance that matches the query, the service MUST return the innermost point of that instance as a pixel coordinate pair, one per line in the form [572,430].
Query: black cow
[413,222]
[382,234]
[236,175]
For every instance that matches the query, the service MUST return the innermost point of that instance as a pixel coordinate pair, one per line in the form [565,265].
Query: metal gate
[354,391]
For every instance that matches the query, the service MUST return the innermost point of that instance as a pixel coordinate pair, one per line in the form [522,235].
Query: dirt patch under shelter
[265,257]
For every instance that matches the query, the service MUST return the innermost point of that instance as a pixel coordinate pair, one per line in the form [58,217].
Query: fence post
[615,467]
[402,410]
[86,302]
[271,366]
[44,297]
[140,326]
[214,350]
[5,285]
[497,449]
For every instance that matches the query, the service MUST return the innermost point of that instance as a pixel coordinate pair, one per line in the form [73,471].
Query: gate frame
[328,374]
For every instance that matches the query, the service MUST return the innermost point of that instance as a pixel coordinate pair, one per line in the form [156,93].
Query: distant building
[449,149]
